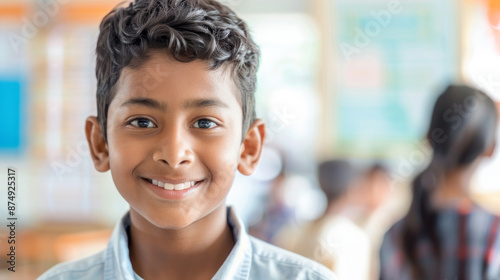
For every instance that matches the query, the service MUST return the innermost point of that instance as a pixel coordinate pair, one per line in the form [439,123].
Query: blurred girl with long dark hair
[445,235]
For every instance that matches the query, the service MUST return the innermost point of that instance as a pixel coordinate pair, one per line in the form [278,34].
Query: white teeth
[176,187]
[168,186]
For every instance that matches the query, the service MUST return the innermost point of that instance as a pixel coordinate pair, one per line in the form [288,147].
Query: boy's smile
[174,139]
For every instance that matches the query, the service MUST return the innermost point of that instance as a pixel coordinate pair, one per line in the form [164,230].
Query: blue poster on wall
[11,126]
[392,58]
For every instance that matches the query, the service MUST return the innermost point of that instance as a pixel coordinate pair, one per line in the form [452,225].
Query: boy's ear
[97,145]
[251,149]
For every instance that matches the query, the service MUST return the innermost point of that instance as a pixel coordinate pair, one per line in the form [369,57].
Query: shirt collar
[236,266]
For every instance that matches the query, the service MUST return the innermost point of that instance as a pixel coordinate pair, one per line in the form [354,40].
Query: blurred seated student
[333,239]
[445,235]
[372,192]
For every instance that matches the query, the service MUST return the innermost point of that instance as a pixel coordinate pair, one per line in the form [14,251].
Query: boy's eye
[205,124]
[142,122]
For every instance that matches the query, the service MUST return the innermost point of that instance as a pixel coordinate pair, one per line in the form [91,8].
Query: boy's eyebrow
[194,103]
[148,102]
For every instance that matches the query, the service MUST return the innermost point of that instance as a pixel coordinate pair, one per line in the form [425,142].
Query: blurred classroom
[351,79]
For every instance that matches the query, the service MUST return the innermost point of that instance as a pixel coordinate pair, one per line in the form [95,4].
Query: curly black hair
[186,30]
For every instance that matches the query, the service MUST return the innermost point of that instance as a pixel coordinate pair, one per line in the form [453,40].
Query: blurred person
[370,208]
[334,239]
[276,213]
[371,193]
[377,189]
[445,235]
[176,121]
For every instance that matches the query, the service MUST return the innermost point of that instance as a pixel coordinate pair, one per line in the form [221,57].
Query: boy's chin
[171,221]
[177,217]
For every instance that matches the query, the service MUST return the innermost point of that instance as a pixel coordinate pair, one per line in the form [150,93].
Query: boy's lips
[172,191]
[173,184]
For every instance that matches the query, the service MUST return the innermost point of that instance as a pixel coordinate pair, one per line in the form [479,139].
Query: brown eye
[205,124]
[142,123]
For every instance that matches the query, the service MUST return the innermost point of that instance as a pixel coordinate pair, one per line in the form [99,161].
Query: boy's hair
[187,30]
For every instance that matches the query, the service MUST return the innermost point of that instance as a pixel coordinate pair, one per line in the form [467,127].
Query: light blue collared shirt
[250,259]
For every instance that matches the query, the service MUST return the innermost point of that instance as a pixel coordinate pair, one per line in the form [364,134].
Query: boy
[176,119]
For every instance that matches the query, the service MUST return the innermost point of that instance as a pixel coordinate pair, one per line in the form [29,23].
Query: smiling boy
[176,120]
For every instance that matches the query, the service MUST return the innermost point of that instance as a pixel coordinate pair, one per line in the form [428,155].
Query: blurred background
[351,79]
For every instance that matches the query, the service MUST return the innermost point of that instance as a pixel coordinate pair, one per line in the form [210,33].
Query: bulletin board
[392,58]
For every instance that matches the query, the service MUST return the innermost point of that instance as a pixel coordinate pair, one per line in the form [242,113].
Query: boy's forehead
[160,66]
[157,67]
[159,72]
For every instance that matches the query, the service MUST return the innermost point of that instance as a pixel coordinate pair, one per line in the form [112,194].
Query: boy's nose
[174,150]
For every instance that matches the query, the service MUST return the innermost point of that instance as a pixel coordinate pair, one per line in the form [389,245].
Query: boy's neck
[195,252]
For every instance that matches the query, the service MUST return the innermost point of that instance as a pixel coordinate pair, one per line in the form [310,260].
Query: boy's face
[177,123]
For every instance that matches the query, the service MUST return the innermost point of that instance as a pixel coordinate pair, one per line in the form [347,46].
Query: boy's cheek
[217,189]
[124,146]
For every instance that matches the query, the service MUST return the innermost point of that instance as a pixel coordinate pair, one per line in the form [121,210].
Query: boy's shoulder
[250,258]
[91,267]
[269,258]
[267,261]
